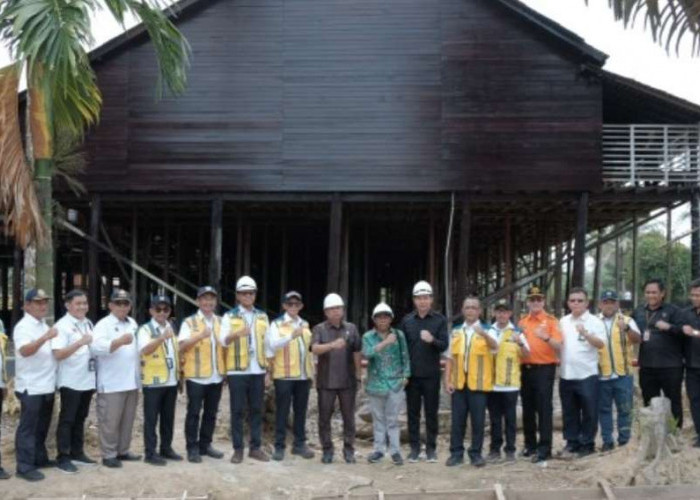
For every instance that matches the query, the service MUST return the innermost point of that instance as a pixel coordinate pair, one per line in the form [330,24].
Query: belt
[533,366]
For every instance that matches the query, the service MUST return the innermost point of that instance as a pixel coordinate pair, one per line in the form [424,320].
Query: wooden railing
[651,155]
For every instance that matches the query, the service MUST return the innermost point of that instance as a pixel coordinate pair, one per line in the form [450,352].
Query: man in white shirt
[114,347]
[243,331]
[203,368]
[35,385]
[3,381]
[76,379]
[159,376]
[582,335]
[289,341]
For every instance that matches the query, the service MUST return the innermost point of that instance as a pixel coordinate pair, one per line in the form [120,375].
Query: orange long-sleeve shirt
[541,353]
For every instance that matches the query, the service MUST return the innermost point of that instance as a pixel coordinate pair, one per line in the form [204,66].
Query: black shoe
[454,460]
[303,452]
[414,456]
[237,456]
[622,443]
[129,457]
[510,456]
[171,455]
[397,459]
[327,457]
[431,456]
[493,457]
[112,463]
[82,459]
[349,456]
[47,464]
[478,461]
[375,456]
[608,447]
[278,455]
[194,457]
[32,475]
[4,474]
[584,452]
[527,453]
[540,459]
[155,460]
[211,452]
[67,467]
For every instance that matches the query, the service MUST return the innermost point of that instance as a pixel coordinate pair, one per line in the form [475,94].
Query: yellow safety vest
[617,353]
[287,360]
[3,353]
[237,352]
[480,368]
[154,367]
[508,360]
[197,362]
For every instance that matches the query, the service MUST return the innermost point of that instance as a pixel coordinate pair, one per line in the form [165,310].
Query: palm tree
[48,41]
[670,21]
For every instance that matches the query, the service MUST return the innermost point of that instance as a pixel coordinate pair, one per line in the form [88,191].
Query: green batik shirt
[387,368]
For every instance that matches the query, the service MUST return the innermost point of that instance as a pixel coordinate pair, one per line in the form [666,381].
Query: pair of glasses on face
[537,299]
[294,304]
[161,309]
[122,303]
[577,301]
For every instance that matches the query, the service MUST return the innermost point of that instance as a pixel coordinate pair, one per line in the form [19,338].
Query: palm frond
[18,200]
[670,21]
[70,161]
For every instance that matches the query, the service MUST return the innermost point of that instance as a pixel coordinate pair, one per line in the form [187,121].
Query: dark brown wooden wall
[351,95]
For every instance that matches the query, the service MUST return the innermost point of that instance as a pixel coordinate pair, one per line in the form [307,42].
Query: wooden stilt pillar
[695,237]
[239,246]
[5,279]
[559,263]
[431,249]
[133,288]
[335,245]
[265,273]
[580,246]
[508,251]
[619,264]
[669,253]
[345,263]
[596,276]
[94,281]
[166,251]
[246,248]
[17,299]
[635,260]
[215,267]
[283,262]
[463,256]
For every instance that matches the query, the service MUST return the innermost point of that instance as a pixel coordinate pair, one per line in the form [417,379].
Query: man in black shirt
[691,353]
[426,336]
[661,350]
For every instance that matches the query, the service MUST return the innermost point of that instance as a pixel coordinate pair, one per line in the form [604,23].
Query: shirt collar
[330,325]
[200,315]
[540,315]
[427,315]
[75,320]
[467,326]
[288,319]
[35,321]
[157,325]
[583,317]
[117,320]
[508,326]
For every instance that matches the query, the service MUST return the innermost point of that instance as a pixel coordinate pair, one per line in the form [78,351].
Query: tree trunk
[44,253]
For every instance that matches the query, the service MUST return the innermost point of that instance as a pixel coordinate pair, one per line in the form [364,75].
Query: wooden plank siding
[351,96]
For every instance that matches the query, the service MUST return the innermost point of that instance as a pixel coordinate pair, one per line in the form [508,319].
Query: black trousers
[654,380]
[201,395]
[326,407]
[158,406]
[30,438]
[579,403]
[70,431]
[246,392]
[291,394]
[536,396]
[423,392]
[503,409]
[692,387]
[472,404]
[2,396]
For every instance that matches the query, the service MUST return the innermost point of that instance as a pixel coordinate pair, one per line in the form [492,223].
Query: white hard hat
[246,284]
[422,288]
[382,308]
[333,300]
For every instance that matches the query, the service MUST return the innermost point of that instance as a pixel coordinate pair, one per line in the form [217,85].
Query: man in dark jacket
[691,352]
[427,339]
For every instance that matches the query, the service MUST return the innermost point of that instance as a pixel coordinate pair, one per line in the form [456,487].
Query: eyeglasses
[293,304]
[536,299]
[161,309]
[122,303]
[577,300]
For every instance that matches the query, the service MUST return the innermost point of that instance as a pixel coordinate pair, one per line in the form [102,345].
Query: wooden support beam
[345,262]
[635,260]
[134,251]
[166,249]
[596,277]
[558,292]
[695,238]
[335,245]
[431,248]
[94,280]
[579,271]
[18,262]
[215,266]
[669,252]
[239,246]
[246,248]
[284,248]
[463,249]
[5,284]
[265,273]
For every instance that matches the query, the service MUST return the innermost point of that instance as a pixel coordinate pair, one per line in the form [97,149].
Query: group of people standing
[486,367]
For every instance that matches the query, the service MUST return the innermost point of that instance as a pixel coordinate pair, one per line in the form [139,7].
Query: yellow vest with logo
[154,366]
[287,360]
[197,362]
[508,360]
[3,352]
[238,351]
[480,368]
[617,353]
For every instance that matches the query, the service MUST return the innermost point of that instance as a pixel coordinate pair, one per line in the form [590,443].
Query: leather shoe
[4,474]
[32,475]
[259,455]
[278,455]
[327,457]
[82,458]
[349,456]
[155,460]
[194,457]
[171,455]
[303,452]
[112,463]
[454,460]
[237,457]
[211,452]
[129,457]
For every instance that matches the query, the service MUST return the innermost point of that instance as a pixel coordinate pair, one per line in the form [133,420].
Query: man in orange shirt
[537,376]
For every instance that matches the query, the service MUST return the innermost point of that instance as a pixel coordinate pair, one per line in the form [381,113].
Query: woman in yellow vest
[203,367]
[243,331]
[503,400]
[159,377]
[288,342]
[3,381]
[468,378]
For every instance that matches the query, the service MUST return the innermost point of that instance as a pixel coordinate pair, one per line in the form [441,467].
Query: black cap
[160,299]
[203,290]
[36,294]
[119,295]
[503,304]
[292,294]
[609,295]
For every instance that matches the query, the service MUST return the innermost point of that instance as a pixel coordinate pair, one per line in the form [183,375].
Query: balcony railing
[651,155]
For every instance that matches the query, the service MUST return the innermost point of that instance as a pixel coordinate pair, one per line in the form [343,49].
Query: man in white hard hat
[337,345]
[243,331]
[427,339]
[388,370]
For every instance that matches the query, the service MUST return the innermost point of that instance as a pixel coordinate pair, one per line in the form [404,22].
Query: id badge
[647,335]
[92,364]
[169,362]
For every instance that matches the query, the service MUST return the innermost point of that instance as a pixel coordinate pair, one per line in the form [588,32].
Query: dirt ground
[304,479]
